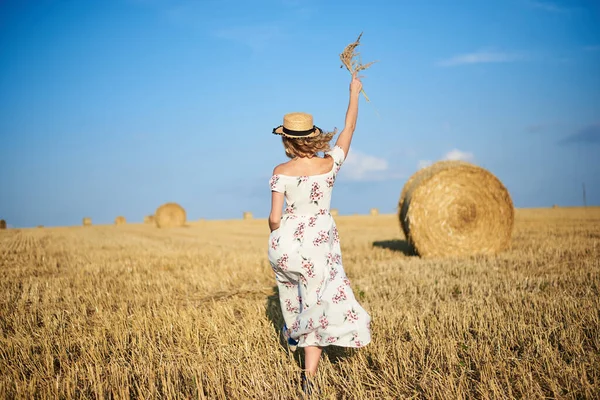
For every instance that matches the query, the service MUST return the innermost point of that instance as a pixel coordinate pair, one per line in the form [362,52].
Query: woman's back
[308,194]
[305,166]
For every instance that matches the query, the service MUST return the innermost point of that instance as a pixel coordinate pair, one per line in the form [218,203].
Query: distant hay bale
[149,219]
[247,215]
[87,221]
[374,211]
[169,215]
[40,226]
[120,220]
[2,224]
[454,208]
[555,206]
[334,212]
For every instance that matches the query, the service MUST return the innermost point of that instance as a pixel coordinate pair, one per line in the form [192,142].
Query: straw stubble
[101,312]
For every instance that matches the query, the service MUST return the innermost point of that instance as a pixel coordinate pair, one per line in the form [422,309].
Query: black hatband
[296,133]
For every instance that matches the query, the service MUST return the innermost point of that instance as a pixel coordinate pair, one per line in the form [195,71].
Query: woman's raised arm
[345,137]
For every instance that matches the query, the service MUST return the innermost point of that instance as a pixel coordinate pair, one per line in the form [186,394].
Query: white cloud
[452,155]
[478,58]
[363,167]
[456,154]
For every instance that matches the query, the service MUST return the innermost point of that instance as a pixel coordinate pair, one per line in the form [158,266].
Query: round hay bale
[247,215]
[2,224]
[87,221]
[374,211]
[169,215]
[149,219]
[555,206]
[334,212]
[40,226]
[418,177]
[454,208]
[120,220]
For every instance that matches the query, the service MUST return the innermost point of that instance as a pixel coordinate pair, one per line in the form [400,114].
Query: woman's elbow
[274,220]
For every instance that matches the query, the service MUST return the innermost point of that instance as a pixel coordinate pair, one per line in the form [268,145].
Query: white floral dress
[317,302]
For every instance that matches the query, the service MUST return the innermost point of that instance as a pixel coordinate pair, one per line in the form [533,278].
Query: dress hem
[335,344]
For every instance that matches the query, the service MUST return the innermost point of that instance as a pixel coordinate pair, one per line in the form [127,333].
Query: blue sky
[115,107]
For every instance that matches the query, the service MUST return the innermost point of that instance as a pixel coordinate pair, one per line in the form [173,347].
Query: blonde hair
[307,147]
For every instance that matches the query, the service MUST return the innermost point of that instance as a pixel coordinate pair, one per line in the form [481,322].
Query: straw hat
[297,125]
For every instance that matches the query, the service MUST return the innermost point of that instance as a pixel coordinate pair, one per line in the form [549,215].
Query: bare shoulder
[282,168]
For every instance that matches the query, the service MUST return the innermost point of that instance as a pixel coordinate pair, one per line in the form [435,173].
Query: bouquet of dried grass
[352,61]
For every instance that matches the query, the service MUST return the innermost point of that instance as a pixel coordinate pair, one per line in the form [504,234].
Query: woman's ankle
[309,373]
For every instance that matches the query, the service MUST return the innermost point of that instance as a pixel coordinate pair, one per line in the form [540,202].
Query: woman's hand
[355,84]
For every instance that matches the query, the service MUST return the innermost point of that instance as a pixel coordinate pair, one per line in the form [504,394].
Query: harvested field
[191,312]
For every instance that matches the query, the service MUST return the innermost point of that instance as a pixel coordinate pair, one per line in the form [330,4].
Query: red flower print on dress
[336,168]
[323,321]
[332,339]
[321,238]
[332,273]
[320,286]
[282,262]
[299,232]
[337,258]
[289,307]
[303,280]
[340,295]
[322,211]
[301,179]
[336,235]
[290,208]
[273,181]
[310,325]
[312,221]
[358,343]
[316,194]
[295,326]
[329,259]
[351,316]
[308,267]
[330,181]
[319,337]
[289,285]
[275,243]
[346,281]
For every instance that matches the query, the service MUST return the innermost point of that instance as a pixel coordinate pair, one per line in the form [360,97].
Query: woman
[317,302]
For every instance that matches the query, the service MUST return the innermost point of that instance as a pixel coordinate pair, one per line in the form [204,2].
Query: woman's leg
[312,356]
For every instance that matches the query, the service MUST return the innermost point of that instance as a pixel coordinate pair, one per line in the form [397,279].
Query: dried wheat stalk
[352,61]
